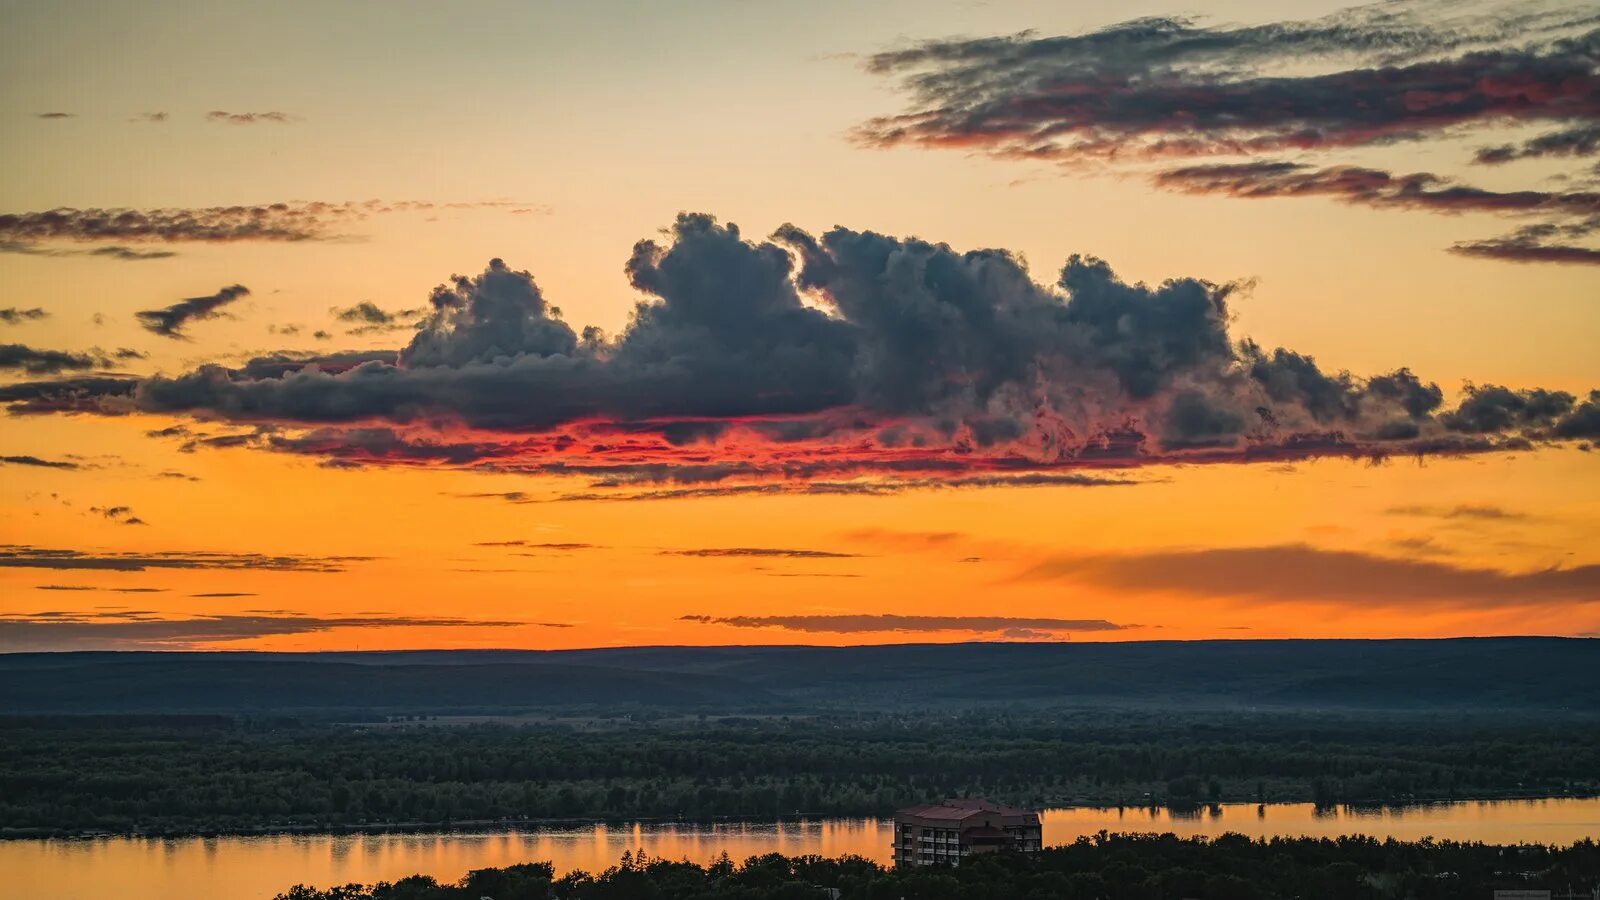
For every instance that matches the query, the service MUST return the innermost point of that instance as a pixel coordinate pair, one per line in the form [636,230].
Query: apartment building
[946,833]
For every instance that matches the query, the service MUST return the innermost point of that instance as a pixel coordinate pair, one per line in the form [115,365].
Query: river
[258,867]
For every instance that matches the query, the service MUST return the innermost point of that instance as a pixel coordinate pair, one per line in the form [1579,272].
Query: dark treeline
[1106,867]
[206,774]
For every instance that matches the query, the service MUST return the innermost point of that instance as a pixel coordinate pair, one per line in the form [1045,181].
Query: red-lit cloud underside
[849,453]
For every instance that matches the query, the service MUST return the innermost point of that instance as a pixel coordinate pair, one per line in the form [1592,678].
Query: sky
[573,325]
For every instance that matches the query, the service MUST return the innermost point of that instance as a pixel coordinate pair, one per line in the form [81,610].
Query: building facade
[943,834]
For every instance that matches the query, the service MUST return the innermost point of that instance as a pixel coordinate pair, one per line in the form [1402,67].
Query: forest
[1104,867]
[215,774]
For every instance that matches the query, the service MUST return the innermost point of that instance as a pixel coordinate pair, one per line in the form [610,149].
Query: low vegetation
[1106,867]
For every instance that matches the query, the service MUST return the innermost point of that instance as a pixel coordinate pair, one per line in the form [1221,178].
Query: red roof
[963,808]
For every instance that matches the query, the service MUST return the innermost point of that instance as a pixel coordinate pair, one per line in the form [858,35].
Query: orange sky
[564,136]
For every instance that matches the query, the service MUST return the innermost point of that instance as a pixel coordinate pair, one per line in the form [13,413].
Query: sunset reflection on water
[257,868]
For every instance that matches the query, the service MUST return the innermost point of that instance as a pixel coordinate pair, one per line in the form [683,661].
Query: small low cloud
[127,254]
[170,321]
[122,515]
[250,118]
[547,545]
[55,115]
[369,318]
[12,315]
[152,118]
[37,462]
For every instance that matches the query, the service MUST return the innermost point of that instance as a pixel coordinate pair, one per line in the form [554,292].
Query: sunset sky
[928,321]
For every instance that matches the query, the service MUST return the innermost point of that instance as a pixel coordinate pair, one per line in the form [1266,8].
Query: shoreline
[488,826]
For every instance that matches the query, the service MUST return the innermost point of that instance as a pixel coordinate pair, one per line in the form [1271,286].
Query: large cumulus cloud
[805,357]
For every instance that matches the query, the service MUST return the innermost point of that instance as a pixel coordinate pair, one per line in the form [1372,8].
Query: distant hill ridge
[1508,673]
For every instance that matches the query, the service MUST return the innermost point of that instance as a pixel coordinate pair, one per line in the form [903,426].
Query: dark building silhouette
[946,833]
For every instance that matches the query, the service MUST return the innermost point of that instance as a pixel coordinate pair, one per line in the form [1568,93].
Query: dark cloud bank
[809,361]
[1150,91]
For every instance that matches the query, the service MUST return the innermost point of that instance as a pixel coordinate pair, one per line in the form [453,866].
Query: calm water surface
[256,868]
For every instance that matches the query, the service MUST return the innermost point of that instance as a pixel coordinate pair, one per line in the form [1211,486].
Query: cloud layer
[1149,91]
[1013,627]
[850,362]
[35,232]
[37,361]
[134,629]
[1295,573]
[22,556]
